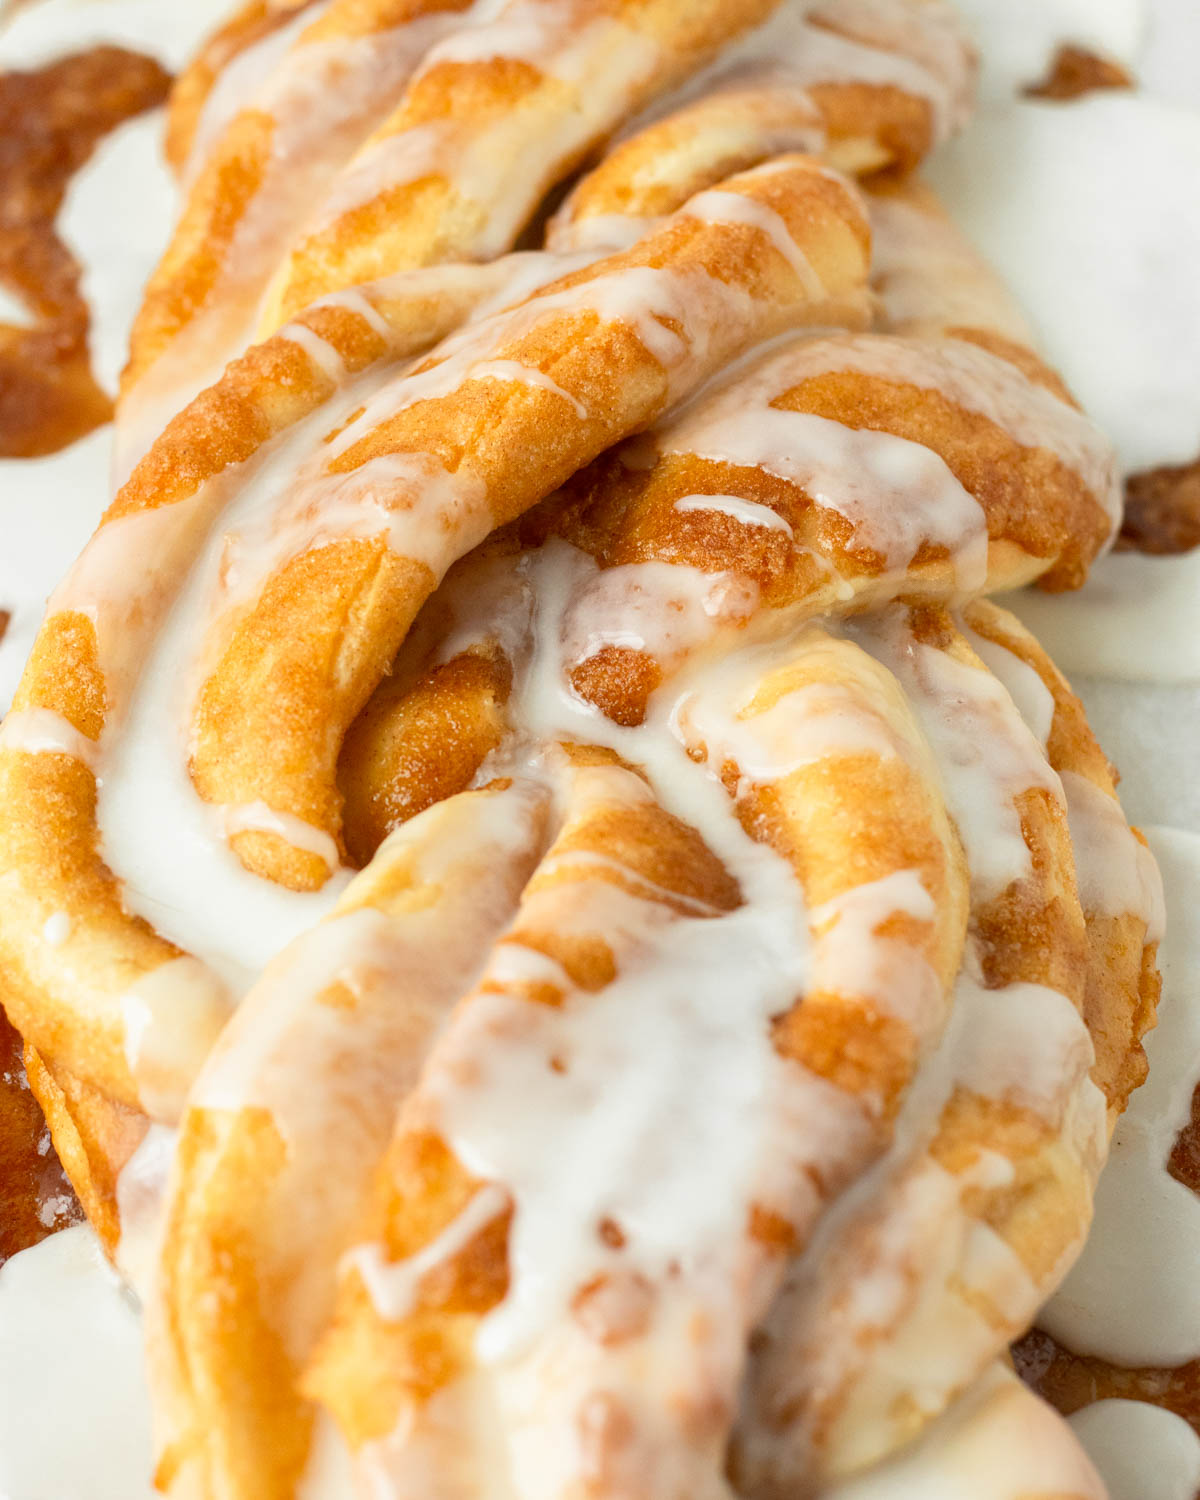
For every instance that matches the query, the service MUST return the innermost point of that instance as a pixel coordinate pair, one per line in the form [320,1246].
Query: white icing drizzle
[904,1290]
[1034,700]
[986,754]
[322,97]
[547,34]
[56,929]
[190,886]
[999,1441]
[202,898]
[426,512]
[561,1059]
[749,512]
[15,311]
[320,352]
[1144,1217]
[717,207]
[861,962]
[809,723]
[979,381]
[355,300]
[242,76]
[1115,871]
[40,731]
[916,48]
[257,817]
[393,1285]
[281,1036]
[593,861]
[669,610]
[605,62]
[330,1473]
[897,494]
[171,1015]
[486,600]
[141,1199]
[509,369]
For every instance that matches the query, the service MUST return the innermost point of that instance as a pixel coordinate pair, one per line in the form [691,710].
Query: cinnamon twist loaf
[523,806]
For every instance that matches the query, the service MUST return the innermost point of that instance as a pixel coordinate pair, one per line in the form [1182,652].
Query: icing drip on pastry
[817,42]
[716,978]
[985,752]
[896,494]
[315,104]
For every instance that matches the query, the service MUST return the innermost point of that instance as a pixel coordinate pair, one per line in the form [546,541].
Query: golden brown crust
[826,1395]
[94,1138]
[252,1164]
[449,720]
[1041,517]
[373,1371]
[326,626]
[1123,982]
[251,23]
[263,1313]
[483,115]
[238,166]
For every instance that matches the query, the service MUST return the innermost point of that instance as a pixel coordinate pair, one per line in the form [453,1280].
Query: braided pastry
[690,953]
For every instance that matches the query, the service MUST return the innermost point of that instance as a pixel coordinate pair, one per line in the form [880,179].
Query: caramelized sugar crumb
[1075,71]
[1184,1161]
[612,1234]
[35,1196]
[1162,511]
[50,122]
[1070,1381]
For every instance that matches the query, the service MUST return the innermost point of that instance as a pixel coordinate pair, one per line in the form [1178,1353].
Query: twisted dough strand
[972,1221]
[674,291]
[983,476]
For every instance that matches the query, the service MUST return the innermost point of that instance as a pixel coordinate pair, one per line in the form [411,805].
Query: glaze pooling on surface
[1033,183]
[74,1414]
[1143,1213]
[1143,1452]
